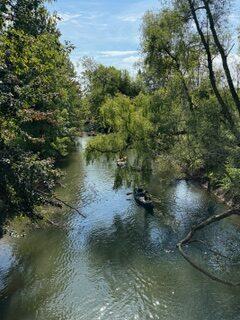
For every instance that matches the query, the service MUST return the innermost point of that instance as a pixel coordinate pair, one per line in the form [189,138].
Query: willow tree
[100,83]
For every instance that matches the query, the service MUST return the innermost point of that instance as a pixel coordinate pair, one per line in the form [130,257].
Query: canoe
[139,196]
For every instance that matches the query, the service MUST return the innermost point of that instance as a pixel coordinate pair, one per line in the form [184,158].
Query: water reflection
[120,263]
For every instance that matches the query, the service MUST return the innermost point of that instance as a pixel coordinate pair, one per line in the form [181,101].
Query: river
[120,263]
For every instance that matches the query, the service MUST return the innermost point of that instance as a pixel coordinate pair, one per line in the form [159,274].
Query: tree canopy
[189,108]
[39,104]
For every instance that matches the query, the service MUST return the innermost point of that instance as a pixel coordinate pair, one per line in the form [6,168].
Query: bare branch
[229,51]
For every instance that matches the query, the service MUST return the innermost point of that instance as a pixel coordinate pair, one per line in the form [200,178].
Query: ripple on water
[119,263]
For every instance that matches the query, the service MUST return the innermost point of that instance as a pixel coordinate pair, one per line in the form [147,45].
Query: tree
[103,82]
[39,104]
[189,112]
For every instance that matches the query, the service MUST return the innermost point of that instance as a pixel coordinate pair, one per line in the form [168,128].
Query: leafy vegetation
[100,83]
[39,104]
[188,107]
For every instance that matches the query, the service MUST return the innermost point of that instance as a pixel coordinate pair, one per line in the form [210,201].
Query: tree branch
[188,240]
[63,202]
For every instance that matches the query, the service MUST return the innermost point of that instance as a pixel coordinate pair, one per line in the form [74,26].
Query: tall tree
[39,101]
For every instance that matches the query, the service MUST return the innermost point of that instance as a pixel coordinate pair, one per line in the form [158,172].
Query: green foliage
[39,104]
[230,182]
[127,119]
[178,117]
[101,83]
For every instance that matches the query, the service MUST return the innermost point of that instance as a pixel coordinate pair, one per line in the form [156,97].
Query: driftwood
[188,240]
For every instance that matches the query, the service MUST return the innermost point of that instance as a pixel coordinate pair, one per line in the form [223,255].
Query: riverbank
[222,195]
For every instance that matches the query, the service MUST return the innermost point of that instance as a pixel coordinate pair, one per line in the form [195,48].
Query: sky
[107,30]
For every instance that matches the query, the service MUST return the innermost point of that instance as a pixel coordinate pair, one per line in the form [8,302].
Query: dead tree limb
[69,206]
[188,239]
[63,202]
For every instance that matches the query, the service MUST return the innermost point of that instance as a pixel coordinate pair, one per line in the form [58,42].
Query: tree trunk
[223,56]
[225,110]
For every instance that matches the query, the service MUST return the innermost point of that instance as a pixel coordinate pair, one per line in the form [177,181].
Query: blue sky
[108,30]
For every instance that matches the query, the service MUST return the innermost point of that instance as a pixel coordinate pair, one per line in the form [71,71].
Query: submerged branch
[52,223]
[69,206]
[63,202]
[188,240]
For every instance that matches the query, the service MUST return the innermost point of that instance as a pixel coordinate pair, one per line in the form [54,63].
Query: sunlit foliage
[39,104]
[189,109]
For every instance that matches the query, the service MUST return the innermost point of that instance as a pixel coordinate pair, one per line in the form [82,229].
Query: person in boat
[122,162]
[147,196]
[123,159]
[140,192]
[143,195]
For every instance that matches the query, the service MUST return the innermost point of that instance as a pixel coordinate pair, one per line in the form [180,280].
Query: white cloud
[234,66]
[233,61]
[65,17]
[132,59]
[131,17]
[117,53]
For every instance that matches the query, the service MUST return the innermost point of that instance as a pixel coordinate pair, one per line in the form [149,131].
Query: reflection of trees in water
[130,176]
[149,236]
[13,283]
[29,284]
[119,243]
[141,234]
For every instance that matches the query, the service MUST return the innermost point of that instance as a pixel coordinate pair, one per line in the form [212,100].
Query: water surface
[121,262]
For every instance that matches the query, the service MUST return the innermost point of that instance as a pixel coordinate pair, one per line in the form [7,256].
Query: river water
[121,262]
